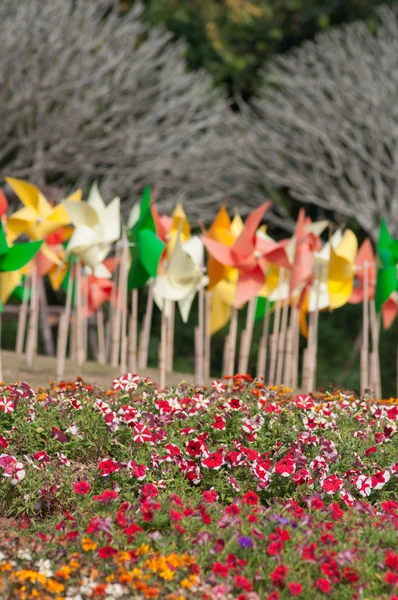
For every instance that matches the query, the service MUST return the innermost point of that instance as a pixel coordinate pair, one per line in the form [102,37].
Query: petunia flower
[82,488]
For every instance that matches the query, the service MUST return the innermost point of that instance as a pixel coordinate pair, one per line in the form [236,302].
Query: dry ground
[43,371]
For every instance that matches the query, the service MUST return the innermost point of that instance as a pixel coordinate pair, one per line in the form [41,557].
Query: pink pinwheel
[307,242]
[365,254]
[249,254]
[389,310]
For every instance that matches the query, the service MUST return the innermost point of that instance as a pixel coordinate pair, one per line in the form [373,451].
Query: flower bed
[237,493]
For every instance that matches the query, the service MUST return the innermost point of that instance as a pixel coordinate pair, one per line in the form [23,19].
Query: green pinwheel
[13,258]
[146,248]
[387,259]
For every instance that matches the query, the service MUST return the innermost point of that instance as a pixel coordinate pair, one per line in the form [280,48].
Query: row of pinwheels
[245,264]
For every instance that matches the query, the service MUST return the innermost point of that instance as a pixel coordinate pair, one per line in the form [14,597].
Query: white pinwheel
[183,278]
[97,227]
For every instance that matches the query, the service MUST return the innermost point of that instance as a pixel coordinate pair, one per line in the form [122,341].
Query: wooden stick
[207,348]
[375,331]
[199,338]
[133,332]
[296,348]
[63,329]
[313,346]
[46,332]
[247,338]
[146,330]
[85,322]
[117,318]
[170,337]
[365,332]
[79,316]
[163,348]
[225,356]
[282,343]
[123,295]
[262,353]
[233,329]
[274,342]
[31,341]
[287,372]
[110,333]
[22,318]
[101,337]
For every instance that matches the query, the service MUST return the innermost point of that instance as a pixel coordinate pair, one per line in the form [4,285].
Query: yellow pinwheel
[38,218]
[342,270]
[179,228]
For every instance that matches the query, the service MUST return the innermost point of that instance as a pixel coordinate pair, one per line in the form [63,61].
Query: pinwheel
[387,257]
[146,247]
[183,278]
[38,218]
[3,205]
[248,254]
[180,228]
[342,270]
[98,290]
[365,255]
[219,231]
[97,227]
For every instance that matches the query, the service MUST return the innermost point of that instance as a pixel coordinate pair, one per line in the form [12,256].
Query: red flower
[370,450]
[213,461]
[175,515]
[132,529]
[106,496]
[82,488]
[242,583]
[275,548]
[107,552]
[278,575]
[391,578]
[391,560]
[350,575]
[150,490]
[332,484]
[285,467]
[210,496]
[323,585]
[251,498]
[295,589]
[220,569]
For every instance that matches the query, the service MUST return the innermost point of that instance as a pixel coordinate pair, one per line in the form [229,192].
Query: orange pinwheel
[248,254]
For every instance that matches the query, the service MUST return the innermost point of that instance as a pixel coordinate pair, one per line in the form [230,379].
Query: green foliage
[233,38]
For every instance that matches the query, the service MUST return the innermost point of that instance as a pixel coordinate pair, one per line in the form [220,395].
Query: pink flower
[213,461]
[82,488]
[304,402]
[218,386]
[142,433]
[380,479]
[137,471]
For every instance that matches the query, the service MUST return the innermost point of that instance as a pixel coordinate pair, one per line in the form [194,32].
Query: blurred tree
[86,95]
[326,124]
[233,38]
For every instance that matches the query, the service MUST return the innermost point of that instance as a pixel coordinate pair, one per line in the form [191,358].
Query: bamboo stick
[163,348]
[146,330]
[22,318]
[207,346]
[110,332]
[170,337]
[296,348]
[133,332]
[282,343]
[365,332]
[117,317]
[247,338]
[101,337]
[375,331]
[123,294]
[262,353]
[63,329]
[31,342]
[199,338]
[79,316]
[274,342]
[233,329]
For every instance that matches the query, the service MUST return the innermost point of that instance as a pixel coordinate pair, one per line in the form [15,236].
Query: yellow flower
[123,557]
[74,564]
[185,583]
[64,572]
[136,573]
[28,575]
[167,574]
[144,549]
[54,586]
[88,545]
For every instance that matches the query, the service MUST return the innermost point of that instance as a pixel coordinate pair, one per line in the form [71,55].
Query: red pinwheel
[98,289]
[249,255]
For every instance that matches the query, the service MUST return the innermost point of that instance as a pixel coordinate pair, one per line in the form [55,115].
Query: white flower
[44,567]
[24,555]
